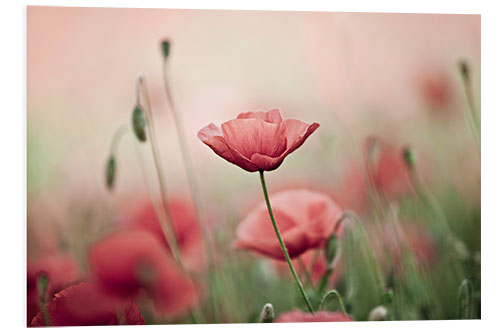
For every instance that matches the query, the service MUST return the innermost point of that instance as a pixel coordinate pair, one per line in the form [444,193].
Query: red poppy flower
[299,316]
[130,261]
[61,270]
[305,219]
[257,140]
[84,305]
[185,222]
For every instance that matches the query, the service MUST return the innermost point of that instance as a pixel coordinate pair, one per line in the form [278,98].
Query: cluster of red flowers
[134,262]
[126,266]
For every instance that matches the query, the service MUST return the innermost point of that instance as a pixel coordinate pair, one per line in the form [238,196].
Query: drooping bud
[330,249]
[378,313]
[464,70]
[409,157]
[267,314]
[139,123]
[388,296]
[110,172]
[165,48]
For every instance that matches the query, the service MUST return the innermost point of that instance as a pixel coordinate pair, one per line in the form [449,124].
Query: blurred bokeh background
[357,74]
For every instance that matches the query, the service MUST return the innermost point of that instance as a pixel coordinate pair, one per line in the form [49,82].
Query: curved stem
[117,136]
[330,294]
[282,244]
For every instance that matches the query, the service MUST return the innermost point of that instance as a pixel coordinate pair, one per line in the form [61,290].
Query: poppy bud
[165,48]
[139,123]
[378,313]
[409,157]
[110,172]
[267,314]
[388,296]
[331,249]
[464,70]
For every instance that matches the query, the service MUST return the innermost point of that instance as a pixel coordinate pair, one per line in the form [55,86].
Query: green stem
[441,224]
[282,244]
[303,267]
[324,280]
[474,123]
[330,294]
[168,224]
[117,136]
[193,188]
[42,282]
[465,293]
[193,184]
[367,247]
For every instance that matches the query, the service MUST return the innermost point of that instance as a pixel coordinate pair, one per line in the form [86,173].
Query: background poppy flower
[61,270]
[388,169]
[297,316]
[185,223]
[257,140]
[305,218]
[133,260]
[84,305]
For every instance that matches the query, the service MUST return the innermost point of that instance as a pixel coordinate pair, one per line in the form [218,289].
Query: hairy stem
[282,244]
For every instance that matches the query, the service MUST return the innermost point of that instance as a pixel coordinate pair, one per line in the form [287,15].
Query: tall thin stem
[166,223]
[167,226]
[282,244]
[472,115]
[193,184]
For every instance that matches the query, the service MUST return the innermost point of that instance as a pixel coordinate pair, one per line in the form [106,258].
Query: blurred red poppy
[84,305]
[130,262]
[60,269]
[351,194]
[257,140]
[299,316]
[434,87]
[416,238]
[387,168]
[185,222]
[305,218]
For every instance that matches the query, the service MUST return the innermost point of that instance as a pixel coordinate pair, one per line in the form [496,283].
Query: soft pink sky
[354,73]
